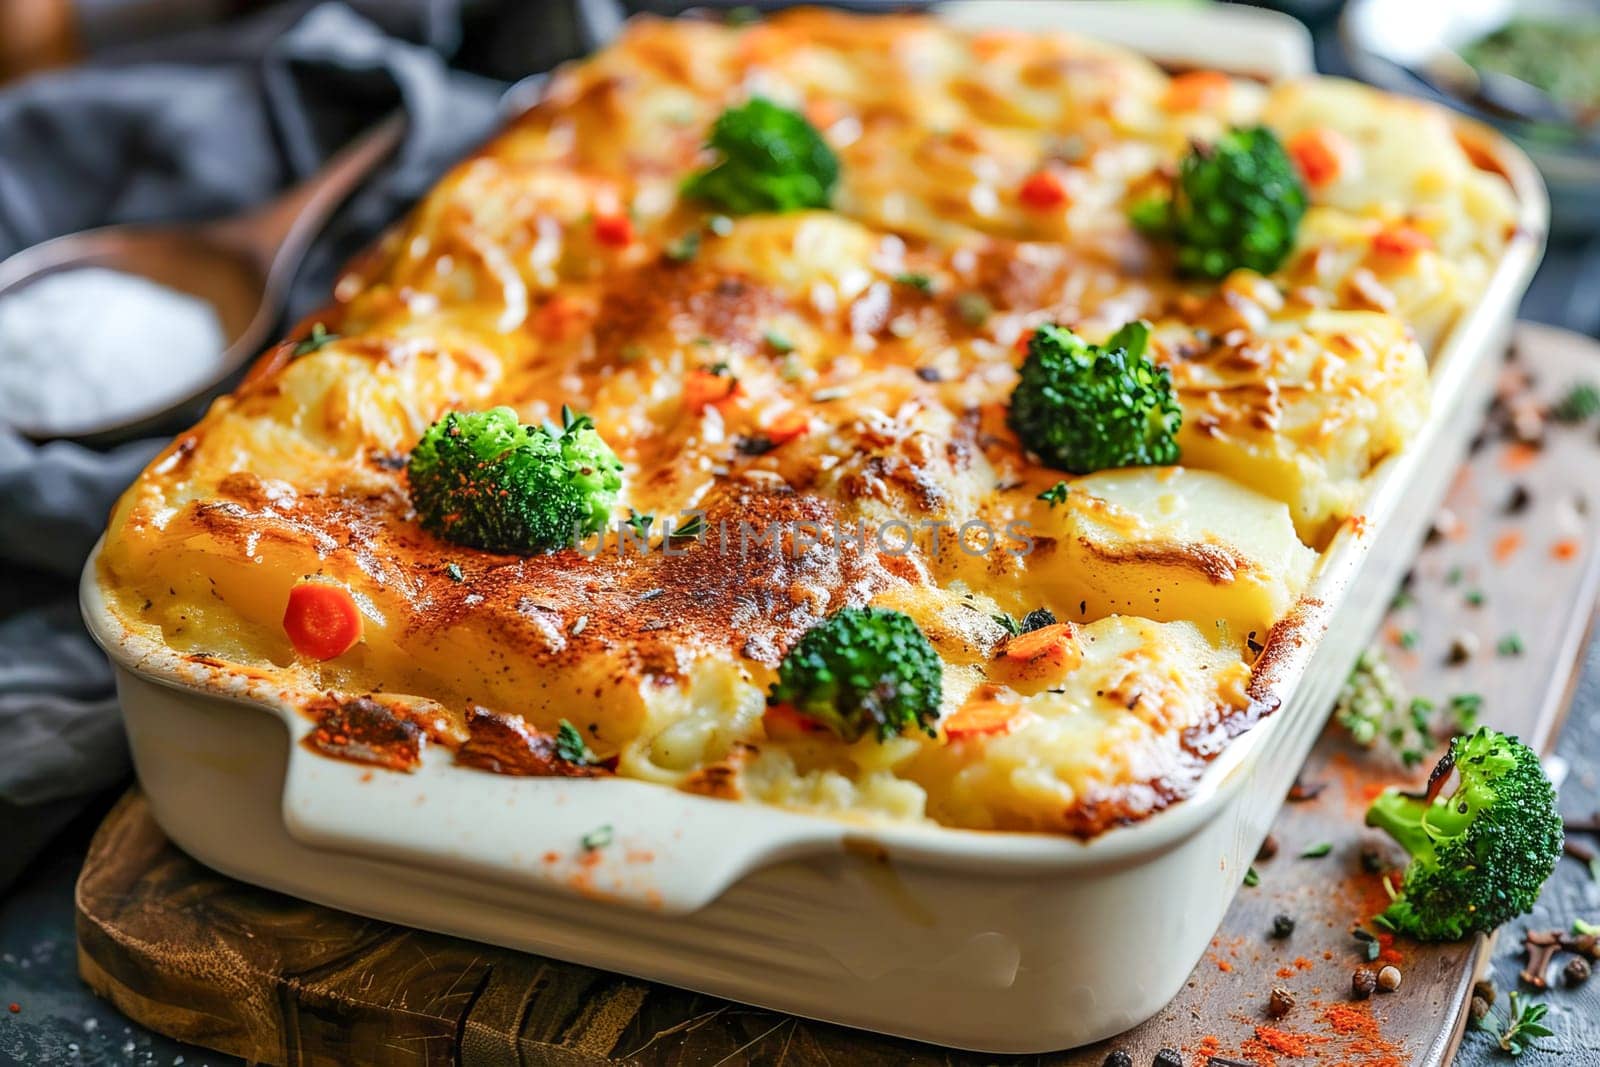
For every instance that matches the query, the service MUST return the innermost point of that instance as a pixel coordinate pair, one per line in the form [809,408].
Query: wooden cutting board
[211,961]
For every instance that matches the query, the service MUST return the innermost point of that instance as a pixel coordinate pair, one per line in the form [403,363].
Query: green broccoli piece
[1480,854]
[483,479]
[1082,407]
[772,160]
[1236,203]
[861,669]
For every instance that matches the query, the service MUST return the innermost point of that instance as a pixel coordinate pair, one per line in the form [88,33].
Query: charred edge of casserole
[363,730]
[505,744]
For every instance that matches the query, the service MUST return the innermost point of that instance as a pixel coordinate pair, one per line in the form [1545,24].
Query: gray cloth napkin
[200,126]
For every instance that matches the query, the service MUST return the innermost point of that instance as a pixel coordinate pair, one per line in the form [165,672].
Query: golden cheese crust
[502,289]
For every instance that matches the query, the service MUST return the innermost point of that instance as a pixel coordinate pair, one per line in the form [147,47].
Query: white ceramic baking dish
[1005,943]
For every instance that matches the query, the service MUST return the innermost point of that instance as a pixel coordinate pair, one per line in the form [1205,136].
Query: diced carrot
[1319,153]
[986,44]
[1400,241]
[784,720]
[1519,456]
[983,717]
[788,426]
[823,113]
[1565,549]
[702,388]
[322,620]
[1196,89]
[559,319]
[1055,643]
[614,231]
[1042,191]
[1506,545]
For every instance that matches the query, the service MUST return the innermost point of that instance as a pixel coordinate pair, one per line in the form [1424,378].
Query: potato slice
[1301,414]
[1168,543]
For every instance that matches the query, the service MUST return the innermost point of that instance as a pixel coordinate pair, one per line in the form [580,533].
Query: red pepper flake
[1565,549]
[614,231]
[1400,241]
[1285,1042]
[1506,545]
[1518,456]
[15,1007]
[1042,191]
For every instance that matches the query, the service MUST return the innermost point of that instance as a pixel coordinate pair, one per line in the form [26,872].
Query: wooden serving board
[208,960]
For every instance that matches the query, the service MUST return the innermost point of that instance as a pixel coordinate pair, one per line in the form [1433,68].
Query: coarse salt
[83,349]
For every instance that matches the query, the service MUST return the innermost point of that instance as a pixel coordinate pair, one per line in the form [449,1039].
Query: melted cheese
[497,290]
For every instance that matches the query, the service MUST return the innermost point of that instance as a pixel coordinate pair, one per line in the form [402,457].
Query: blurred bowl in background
[1420,47]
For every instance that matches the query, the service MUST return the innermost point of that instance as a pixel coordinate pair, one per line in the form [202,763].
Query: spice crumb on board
[1506,545]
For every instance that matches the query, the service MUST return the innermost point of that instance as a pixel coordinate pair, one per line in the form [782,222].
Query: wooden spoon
[242,266]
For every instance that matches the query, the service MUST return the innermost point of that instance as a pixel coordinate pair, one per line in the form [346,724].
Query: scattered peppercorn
[1389,979]
[1576,972]
[1268,849]
[1463,646]
[1168,1057]
[1280,1003]
[1362,983]
[1282,926]
[1119,1058]
[1518,500]
[1372,860]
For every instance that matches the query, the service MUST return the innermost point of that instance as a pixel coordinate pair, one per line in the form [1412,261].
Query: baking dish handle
[632,842]
[1241,40]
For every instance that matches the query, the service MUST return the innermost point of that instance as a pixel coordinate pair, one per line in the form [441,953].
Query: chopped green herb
[570,745]
[1007,623]
[974,309]
[1251,877]
[599,837]
[453,572]
[1475,598]
[1581,403]
[319,337]
[1409,639]
[922,283]
[1510,645]
[1455,575]
[1464,709]
[684,248]
[691,529]
[1056,494]
[1317,851]
[777,342]
[1402,599]
[1524,1022]
[640,522]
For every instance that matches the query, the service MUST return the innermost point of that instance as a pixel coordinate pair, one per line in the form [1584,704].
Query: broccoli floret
[1236,203]
[863,669]
[1480,854]
[772,160]
[483,479]
[1083,408]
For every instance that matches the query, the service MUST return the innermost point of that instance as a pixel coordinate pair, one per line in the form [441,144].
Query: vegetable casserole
[850,414]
